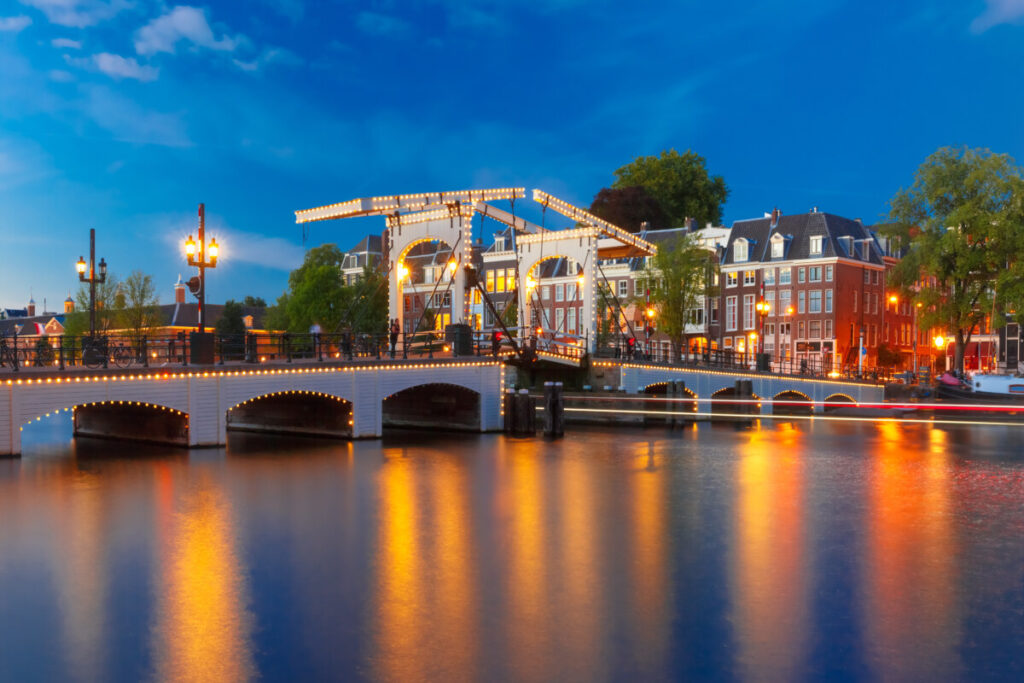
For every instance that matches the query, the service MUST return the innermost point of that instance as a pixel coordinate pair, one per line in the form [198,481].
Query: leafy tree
[629,208]
[678,276]
[276,317]
[254,302]
[137,304]
[888,357]
[77,323]
[679,183]
[961,219]
[316,290]
[230,321]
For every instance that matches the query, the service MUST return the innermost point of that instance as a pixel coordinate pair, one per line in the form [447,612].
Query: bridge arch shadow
[124,420]
[435,404]
[721,403]
[836,401]
[294,412]
[661,389]
[792,402]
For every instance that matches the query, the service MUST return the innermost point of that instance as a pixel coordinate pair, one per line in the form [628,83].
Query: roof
[26,325]
[187,315]
[842,237]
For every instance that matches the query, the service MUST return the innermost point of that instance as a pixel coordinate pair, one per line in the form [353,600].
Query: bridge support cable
[475,281]
[451,280]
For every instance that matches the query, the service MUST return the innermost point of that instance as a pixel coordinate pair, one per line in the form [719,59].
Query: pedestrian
[314,331]
[395,331]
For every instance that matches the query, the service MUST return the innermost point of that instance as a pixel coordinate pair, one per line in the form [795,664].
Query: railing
[728,359]
[18,352]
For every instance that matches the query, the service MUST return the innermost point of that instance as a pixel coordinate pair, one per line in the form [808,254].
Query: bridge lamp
[190,246]
[452,266]
[939,341]
[531,283]
[214,251]
[580,280]
[403,271]
[651,313]
[80,266]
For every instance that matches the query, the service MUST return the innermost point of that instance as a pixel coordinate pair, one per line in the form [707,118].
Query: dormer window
[499,244]
[778,245]
[866,250]
[739,250]
[816,241]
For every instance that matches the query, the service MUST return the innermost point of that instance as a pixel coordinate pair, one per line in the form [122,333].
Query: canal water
[780,551]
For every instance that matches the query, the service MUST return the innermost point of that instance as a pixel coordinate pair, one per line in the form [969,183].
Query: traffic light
[194,285]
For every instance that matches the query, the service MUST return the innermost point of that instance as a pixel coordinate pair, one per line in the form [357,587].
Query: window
[510,278]
[874,277]
[769,276]
[727,343]
[814,305]
[874,335]
[828,328]
[814,329]
[801,301]
[784,276]
[778,243]
[623,286]
[730,313]
[814,274]
[499,244]
[748,311]
[828,273]
[408,303]
[560,292]
[867,277]
[785,301]
[855,302]
[714,310]
[731,279]
[800,273]
[570,291]
[769,298]
[545,293]
[784,329]
[476,296]
[885,331]
[571,327]
[739,250]
[559,318]
[815,245]
[749,277]
[800,330]
[500,281]
[828,300]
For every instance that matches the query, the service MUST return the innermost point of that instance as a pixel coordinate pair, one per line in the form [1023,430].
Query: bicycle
[8,355]
[94,351]
[121,355]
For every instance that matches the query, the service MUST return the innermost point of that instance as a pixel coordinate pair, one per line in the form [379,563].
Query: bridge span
[196,407]
[704,383]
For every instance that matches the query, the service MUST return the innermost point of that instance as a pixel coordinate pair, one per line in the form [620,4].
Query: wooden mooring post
[520,413]
[554,410]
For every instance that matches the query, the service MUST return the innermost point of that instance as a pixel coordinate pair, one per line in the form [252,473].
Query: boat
[981,388]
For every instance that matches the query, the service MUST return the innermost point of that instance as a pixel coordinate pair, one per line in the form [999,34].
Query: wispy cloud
[272,55]
[67,43]
[78,13]
[998,12]
[14,24]
[119,67]
[377,24]
[181,23]
[129,122]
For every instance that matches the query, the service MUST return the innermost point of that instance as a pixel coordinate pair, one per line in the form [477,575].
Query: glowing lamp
[580,280]
[893,298]
[939,341]
[539,331]
[190,246]
[213,249]
[403,271]
[789,310]
[452,265]
[650,313]
[80,266]
[530,283]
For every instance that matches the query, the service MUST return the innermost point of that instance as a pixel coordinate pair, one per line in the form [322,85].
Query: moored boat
[981,388]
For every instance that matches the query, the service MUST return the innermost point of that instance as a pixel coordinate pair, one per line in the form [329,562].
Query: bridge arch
[121,419]
[792,402]
[837,400]
[720,402]
[428,404]
[294,411]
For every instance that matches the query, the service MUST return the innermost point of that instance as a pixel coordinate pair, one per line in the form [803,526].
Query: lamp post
[916,306]
[197,256]
[92,279]
[649,327]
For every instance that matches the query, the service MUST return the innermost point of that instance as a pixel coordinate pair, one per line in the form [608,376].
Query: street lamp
[763,308]
[201,256]
[92,279]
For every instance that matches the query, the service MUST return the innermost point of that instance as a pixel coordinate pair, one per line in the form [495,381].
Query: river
[778,551]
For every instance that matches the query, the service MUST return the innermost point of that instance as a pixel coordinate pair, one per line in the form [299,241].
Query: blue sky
[124,114]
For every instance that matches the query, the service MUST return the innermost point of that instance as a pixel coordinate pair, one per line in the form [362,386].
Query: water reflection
[770,572]
[773,552]
[203,628]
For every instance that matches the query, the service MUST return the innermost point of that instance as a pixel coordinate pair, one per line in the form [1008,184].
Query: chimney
[69,305]
[179,291]
[775,216]
[689,223]
[31,308]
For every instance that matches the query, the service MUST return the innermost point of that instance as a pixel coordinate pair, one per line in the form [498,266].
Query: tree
[679,183]
[254,302]
[629,208]
[138,305]
[316,290]
[960,220]
[678,276]
[230,321]
[77,323]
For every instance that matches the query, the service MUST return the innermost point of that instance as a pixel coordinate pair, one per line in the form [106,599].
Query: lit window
[749,277]
[732,279]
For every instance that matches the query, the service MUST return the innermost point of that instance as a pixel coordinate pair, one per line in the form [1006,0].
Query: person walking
[396,329]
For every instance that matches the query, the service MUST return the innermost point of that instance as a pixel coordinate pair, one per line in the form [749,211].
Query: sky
[123,115]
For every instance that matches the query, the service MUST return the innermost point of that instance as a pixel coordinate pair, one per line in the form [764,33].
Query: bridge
[197,406]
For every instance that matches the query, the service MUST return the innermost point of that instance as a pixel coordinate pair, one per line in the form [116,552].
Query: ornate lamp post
[763,308]
[202,256]
[92,278]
